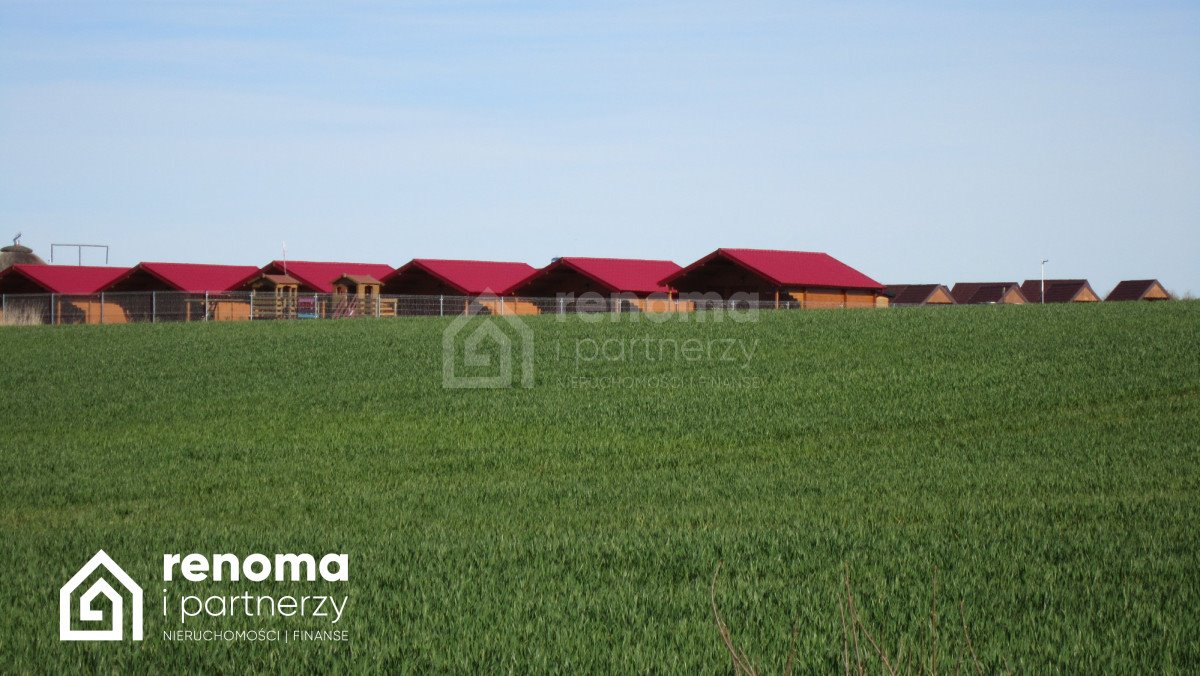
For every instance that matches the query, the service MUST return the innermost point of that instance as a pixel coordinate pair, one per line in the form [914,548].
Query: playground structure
[274,297]
[359,296]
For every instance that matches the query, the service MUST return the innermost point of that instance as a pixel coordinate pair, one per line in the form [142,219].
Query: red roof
[618,275]
[790,268]
[319,276]
[194,277]
[67,279]
[470,277]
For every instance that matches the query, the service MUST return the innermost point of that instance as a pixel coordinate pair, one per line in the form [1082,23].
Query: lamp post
[1043,294]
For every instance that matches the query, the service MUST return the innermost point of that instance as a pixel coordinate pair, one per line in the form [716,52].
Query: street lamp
[1044,261]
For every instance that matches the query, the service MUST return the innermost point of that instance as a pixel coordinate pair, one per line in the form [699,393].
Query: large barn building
[187,291]
[988,293]
[810,279]
[634,283]
[431,286]
[1059,291]
[82,282]
[1138,289]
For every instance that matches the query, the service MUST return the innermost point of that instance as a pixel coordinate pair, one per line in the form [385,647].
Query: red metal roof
[194,277]
[319,275]
[618,275]
[66,279]
[790,268]
[470,277]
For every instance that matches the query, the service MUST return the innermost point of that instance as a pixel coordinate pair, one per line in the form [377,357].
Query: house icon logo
[89,614]
[485,347]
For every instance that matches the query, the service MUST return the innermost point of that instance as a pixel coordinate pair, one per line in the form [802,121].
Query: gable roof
[356,279]
[976,293]
[618,275]
[193,277]
[912,294]
[1133,289]
[1057,290]
[469,277]
[65,279]
[319,275]
[790,268]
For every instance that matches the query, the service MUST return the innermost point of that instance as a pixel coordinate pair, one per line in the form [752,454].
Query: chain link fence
[165,306]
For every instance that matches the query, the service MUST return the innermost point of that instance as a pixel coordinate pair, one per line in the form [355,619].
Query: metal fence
[164,306]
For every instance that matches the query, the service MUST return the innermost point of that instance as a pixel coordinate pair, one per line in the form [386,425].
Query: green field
[1042,460]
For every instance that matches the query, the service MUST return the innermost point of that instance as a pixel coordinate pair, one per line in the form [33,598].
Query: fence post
[153,306]
[3,304]
[251,305]
[378,300]
[501,305]
[101,307]
[441,306]
[205,306]
[52,309]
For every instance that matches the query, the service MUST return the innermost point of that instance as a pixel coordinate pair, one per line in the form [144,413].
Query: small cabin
[1059,291]
[1138,289]
[988,293]
[918,294]
[784,279]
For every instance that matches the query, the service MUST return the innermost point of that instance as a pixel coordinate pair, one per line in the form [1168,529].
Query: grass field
[1042,460]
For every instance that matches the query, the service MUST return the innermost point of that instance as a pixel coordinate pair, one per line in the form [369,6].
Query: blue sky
[919,142]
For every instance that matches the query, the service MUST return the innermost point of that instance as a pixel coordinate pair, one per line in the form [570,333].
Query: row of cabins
[794,275]
[329,289]
[1012,293]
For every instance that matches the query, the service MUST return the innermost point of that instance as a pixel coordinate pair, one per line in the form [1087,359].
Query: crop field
[1004,488]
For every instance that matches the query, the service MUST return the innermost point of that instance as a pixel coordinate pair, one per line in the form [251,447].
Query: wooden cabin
[801,279]
[61,294]
[1059,291]
[438,287]
[918,294]
[617,284]
[1138,289]
[187,291]
[988,293]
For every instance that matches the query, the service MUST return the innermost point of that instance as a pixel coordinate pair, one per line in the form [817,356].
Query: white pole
[101,307]
[1044,261]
